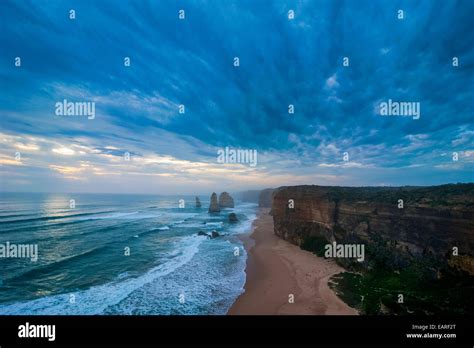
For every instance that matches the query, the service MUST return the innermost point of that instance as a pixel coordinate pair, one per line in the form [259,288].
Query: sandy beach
[277,269]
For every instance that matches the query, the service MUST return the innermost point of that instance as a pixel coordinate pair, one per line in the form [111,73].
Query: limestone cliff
[432,221]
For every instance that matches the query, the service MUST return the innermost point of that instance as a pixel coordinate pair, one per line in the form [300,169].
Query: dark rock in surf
[233,218]
[202,233]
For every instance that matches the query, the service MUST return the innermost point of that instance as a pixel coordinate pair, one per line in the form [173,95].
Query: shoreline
[278,271]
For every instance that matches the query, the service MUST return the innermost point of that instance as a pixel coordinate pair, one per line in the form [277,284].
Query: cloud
[463,137]
[64,151]
[331,82]
[27,147]
[190,63]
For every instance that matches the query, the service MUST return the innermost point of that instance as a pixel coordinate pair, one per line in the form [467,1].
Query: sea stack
[214,206]
[198,202]
[233,218]
[225,200]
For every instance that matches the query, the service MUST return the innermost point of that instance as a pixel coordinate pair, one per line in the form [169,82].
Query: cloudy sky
[190,62]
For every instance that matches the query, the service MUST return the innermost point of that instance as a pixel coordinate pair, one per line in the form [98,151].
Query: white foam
[178,222]
[244,226]
[135,215]
[97,299]
[200,225]
[108,216]
[212,224]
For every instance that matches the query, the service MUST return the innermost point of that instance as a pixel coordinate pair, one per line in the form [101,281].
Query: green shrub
[315,244]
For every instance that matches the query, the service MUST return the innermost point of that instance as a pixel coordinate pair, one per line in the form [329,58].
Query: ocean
[120,254]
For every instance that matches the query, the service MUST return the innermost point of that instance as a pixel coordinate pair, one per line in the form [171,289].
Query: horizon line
[239,191]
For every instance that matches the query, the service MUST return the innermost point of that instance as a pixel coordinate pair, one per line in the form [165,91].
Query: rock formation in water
[233,218]
[198,202]
[225,200]
[214,205]
[214,234]
[398,224]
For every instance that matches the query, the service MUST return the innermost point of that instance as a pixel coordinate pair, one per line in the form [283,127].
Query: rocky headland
[416,236]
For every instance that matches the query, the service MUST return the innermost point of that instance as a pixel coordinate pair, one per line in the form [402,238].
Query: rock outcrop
[198,202]
[214,205]
[432,222]
[233,218]
[225,200]
[214,234]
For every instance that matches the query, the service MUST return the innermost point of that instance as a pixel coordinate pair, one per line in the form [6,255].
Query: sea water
[120,254]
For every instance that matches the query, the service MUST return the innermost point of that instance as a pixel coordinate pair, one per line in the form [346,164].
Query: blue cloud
[282,62]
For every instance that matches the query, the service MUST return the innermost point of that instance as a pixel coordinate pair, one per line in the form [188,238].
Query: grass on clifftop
[376,289]
[377,292]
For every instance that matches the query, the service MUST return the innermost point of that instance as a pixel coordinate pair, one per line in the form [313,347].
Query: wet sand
[276,270]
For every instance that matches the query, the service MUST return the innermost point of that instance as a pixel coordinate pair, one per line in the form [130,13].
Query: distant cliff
[250,196]
[265,198]
[262,197]
[432,221]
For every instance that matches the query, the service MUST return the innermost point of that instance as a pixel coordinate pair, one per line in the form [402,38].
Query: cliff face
[432,221]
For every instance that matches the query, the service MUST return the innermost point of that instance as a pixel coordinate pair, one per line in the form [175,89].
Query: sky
[336,135]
